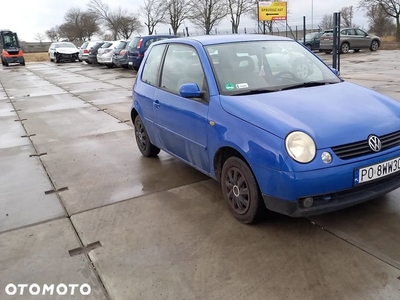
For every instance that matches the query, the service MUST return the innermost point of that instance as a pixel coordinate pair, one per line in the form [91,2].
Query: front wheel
[143,141]
[240,190]
[374,46]
[23,62]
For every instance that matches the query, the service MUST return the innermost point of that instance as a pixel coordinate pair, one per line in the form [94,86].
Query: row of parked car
[127,54]
[350,39]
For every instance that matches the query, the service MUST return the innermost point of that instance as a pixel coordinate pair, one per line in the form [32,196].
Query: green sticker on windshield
[230,86]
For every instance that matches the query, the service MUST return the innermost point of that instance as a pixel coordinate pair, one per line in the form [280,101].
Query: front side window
[265,65]
[182,65]
[360,32]
[152,65]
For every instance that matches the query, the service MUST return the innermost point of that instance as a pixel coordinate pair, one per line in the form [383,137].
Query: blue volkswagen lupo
[292,137]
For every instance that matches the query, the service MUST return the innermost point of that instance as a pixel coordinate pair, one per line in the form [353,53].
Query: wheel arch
[222,155]
[134,113]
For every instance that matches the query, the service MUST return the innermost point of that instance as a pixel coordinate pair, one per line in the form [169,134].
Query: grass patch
[36,57]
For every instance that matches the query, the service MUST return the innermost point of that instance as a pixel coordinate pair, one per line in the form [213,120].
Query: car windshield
[65,45]
[266,66]
[121,45]
[134,42]
[10,41]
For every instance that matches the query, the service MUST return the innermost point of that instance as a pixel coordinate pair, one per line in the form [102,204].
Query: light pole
[312,15]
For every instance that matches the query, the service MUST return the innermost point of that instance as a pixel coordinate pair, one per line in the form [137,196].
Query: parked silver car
[84,51]
[350,39]
[106,52]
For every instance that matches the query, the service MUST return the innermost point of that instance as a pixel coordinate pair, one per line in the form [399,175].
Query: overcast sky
[29,17]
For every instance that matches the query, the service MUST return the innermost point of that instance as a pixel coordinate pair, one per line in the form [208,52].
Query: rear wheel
[240,190]
[327,52]
[136,68]
[309,47]
[142,139]
[374,45]
[110,66]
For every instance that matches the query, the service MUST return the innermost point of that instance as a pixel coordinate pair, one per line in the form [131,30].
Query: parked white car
[63,51]
[105,53]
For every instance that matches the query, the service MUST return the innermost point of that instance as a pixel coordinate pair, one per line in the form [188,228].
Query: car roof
[229,38]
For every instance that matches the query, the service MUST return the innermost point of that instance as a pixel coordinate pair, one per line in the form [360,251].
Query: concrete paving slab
[30,105]
[7,109]
[373,226]
[71,78]
[103,169]
[23,183]
[39,254]
[61,124]
[123,82]
[11,132]
[121,110]
[183,244]
[33,91]
[114,95]
[86,87]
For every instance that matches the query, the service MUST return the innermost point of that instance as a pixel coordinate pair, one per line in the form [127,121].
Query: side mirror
[337,73]
[190,90]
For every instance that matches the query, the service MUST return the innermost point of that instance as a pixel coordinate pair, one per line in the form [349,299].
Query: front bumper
[67,56]
[330,202]
[331,188]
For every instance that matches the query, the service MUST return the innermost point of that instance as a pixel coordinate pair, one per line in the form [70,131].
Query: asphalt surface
[79,204]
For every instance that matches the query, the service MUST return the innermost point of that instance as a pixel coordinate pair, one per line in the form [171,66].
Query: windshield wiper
[307,84]
[255,92]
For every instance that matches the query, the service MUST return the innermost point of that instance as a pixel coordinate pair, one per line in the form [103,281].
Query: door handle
[157,104]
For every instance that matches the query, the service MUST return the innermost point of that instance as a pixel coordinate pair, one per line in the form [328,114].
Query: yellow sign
[272,11]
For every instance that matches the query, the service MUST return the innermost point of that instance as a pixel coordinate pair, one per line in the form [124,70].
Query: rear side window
[84,45]
[152,65]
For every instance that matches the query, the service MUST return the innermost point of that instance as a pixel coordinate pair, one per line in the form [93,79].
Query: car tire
[142,139]
[136,68]
[110,66]
[309,47]
[344,48]
[56,59]
[300,69]
[240,191]
[23,62]
[328,52]
[356,50]
[374,45]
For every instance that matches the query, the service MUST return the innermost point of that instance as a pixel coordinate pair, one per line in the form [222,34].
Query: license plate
[130,63]
[377,171]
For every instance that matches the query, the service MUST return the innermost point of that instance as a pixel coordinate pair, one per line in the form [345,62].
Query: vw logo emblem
[374,143]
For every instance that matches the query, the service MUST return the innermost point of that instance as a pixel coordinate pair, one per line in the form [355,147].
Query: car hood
[67,50]
[332,115]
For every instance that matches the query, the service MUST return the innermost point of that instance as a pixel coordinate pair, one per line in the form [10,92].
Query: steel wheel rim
[302,71]
[141,137]
[237,190]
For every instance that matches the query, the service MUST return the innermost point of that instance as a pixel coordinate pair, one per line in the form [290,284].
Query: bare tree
[326,22]
[154,12]
[237,8]
[207,13]
[79,25]
[53,34]
[120,22]
[347,14]
[177,12]
[390,7]
[380,23]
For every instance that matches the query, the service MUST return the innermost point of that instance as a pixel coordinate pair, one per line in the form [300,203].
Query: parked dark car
[138,47]
[93,52]
[120,56]
[84,51]
[312,40]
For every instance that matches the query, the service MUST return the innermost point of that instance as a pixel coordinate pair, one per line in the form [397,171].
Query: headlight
[300,147]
